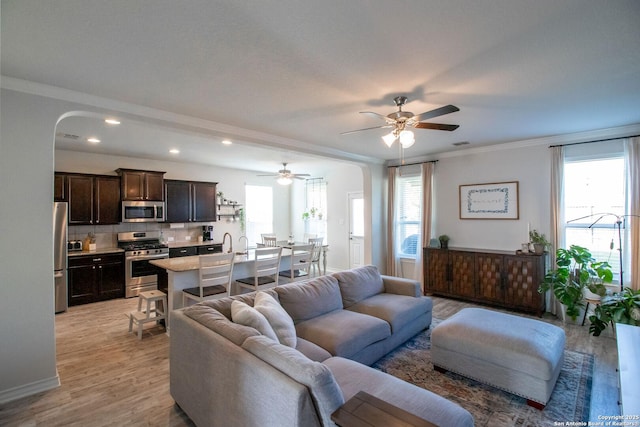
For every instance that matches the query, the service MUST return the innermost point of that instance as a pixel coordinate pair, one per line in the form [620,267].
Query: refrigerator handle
[57,274]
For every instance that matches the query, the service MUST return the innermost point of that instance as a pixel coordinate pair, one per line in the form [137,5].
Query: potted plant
[576,271]
[444,241]
[539,241]
[623,307]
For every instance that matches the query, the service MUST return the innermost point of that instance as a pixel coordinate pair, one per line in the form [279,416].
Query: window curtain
[632,165]
[392,262]
[425,229]
[557,214]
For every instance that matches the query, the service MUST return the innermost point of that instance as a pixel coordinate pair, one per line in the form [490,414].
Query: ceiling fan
[285,177]
[400,120]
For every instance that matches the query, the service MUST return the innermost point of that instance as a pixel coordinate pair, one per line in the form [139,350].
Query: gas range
[140,247]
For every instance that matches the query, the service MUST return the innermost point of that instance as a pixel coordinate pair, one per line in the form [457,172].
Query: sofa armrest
[401,286]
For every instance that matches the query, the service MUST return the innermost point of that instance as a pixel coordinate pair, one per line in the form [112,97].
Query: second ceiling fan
[400,120]
[285,176]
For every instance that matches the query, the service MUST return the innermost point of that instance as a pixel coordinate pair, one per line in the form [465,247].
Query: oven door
[140,275]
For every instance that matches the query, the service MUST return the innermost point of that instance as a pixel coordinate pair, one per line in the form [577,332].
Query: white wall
[530,166]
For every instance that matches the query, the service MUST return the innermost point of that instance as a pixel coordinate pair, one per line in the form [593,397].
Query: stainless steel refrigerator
[60,255]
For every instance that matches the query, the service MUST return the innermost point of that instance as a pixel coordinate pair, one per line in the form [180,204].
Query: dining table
[286,244]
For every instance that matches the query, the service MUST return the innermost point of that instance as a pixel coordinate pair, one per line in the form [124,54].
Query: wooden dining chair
[214,278]
[266,266]
[300,262]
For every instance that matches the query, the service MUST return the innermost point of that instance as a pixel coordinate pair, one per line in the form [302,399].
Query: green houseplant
[623,307]
[539,241]
[444,241]
[576,271]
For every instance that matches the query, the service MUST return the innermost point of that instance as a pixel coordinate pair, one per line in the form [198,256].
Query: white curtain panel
[557,214]
[632,165]
[425,231]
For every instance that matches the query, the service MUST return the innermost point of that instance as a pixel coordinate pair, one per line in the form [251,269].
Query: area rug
[490,406]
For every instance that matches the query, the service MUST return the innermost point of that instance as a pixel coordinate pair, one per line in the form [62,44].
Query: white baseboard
[29,389]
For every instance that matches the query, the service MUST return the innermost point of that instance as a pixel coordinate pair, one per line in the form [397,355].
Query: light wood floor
[110,378]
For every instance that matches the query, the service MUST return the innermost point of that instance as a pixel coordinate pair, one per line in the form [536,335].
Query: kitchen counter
[99,251]
[189,263]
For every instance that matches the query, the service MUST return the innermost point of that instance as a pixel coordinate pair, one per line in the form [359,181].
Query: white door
[356,230]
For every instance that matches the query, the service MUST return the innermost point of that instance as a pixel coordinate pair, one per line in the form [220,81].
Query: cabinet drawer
[209,249]
[185,251]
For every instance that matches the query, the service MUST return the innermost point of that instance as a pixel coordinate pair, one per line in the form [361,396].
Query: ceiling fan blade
[299,177]
[360,130]
[383,117]
[436,126]
[437,112]
[300,174]
[269,175]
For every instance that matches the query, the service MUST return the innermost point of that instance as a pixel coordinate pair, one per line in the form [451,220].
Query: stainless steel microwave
[142,211]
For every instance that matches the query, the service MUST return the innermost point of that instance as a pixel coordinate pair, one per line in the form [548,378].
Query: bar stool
[154,312]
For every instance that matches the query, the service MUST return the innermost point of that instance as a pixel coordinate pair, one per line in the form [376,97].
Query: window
[258,212]
[594,194]
[316,207]
[408,215]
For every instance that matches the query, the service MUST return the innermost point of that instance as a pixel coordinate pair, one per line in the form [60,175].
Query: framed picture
[496,200]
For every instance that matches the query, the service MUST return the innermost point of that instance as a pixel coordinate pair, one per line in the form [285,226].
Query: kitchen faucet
[224,239]
[246,246]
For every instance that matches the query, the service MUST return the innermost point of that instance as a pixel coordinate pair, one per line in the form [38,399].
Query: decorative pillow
[277,317]
[246,315]
[324,389]
[218,323]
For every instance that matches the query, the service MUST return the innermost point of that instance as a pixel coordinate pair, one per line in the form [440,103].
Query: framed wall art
[496,200]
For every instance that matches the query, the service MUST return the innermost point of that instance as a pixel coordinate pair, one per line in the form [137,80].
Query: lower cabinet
[95,278]
[496,278]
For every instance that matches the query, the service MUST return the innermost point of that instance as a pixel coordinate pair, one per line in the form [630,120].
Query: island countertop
[189,263]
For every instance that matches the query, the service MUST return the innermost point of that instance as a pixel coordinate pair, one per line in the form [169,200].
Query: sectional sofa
[230,368]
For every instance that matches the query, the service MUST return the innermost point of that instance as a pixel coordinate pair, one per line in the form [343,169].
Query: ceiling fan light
[283,180]
[389,139]
[407,138]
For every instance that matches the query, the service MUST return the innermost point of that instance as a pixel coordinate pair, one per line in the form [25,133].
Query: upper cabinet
[93,199]
[142,185]
[189,201]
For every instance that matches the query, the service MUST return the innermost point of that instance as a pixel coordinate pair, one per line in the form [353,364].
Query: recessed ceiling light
[112,121]
[93,140]
[174,151]
[227,142]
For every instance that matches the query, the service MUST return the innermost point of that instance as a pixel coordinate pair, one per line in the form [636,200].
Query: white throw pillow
[246,315]
[278,318]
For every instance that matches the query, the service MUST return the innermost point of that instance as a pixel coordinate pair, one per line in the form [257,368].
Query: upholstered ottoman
[520,355]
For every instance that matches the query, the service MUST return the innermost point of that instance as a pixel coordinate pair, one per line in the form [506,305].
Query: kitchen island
[182,273]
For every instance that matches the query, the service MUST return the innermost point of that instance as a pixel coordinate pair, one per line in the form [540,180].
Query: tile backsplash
[107,235]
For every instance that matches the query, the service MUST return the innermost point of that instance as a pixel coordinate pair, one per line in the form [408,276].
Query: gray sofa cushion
[325,392]
[397,310]
[353,377]
[343,332]
[310,299]
[218,323]
[358,284]
[311,350]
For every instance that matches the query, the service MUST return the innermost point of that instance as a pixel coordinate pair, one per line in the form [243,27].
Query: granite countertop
[189,263]
[99,251]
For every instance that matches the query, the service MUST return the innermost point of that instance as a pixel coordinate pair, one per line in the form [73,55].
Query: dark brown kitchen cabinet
[95,277]
[59,187]
[190,201]
[495,278]
[142,185]
[93,199]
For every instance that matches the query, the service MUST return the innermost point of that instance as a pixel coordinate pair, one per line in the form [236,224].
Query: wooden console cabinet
[497,278]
